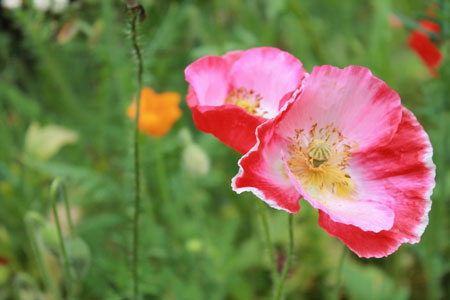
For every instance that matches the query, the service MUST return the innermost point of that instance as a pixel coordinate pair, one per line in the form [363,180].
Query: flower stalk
[288,263]
[137,13]
[337,285]
[72,232]
[268,240]
[56,192]
[32,220]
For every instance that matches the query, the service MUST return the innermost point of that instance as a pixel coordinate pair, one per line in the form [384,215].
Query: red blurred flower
[424,46]
[348,147]
[231,95]
[3,261]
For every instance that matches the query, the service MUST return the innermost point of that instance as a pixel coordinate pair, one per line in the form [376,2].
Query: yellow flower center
[319,158]
[246,99]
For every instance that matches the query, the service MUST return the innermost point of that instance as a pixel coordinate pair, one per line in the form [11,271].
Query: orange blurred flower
[158,112]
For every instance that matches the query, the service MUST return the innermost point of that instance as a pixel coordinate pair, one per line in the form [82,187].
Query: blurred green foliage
[199,240]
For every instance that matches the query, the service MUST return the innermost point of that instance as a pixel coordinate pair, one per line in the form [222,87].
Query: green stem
[445,7]
[31,221]
[137,198]
[268,239]
[337,284]
[57,190]
[67,209]
[288,263]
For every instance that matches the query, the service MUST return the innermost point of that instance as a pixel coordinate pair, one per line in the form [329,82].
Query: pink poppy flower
[231,95]
[347,146]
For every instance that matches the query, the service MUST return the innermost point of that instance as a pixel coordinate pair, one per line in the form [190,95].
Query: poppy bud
[34,219]
[195,160]
[185,136]
[79,257]
[49,237]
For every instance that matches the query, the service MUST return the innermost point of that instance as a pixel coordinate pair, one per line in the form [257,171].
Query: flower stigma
[318,160]
[246,99]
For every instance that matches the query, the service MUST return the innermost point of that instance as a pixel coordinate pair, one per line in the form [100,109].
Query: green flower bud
[185,136]
[50,239]
[195,160]
[34,220]
[79,257]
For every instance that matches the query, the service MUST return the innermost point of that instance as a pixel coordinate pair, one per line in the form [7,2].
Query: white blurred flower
[59,6]
[55,6]
[11,4]
[42,5]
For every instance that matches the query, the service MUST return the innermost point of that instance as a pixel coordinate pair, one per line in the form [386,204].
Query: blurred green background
[66,79]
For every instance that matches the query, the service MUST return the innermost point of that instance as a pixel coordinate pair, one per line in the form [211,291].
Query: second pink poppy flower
[231,95]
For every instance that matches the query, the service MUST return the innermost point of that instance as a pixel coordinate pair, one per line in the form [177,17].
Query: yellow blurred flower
[158,112]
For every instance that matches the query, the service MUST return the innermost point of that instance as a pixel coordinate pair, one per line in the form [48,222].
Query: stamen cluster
[318,159]
[247,99]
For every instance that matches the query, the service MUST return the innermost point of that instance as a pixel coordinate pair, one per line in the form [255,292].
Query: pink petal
[270,72]
[404,172]
[208,79]
[232,56]
[367,212]
[228,123]
[262,172]
[361,106]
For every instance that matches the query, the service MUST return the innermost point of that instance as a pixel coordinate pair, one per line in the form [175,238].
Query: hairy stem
[137,198]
